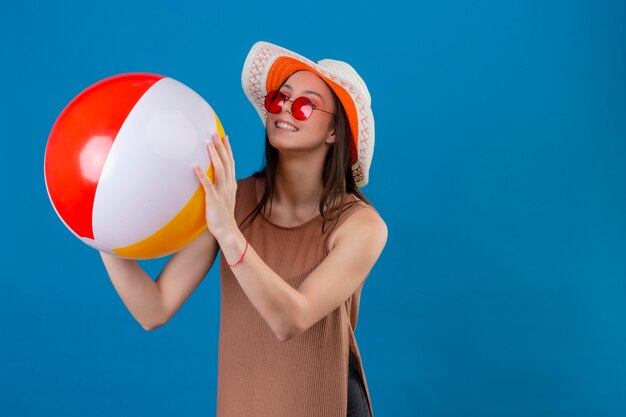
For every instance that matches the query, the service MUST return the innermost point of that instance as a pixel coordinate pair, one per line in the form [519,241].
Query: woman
[298,240]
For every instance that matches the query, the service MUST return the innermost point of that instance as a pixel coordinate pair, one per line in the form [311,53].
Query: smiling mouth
[286,126]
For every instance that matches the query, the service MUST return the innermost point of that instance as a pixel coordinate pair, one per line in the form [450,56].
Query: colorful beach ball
[119,165]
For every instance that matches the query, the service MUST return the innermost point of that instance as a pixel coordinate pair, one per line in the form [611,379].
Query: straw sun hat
[268,65]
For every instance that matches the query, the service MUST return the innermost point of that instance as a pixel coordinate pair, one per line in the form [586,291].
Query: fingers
[225,157]
[229,151]
[204,180]
[223,163]
[218,166]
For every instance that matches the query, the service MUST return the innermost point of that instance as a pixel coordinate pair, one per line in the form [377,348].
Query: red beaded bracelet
[242,255]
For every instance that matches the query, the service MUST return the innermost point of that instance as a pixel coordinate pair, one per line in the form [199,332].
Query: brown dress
[260,376]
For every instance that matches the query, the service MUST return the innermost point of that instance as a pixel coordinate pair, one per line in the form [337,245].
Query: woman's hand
[220,196]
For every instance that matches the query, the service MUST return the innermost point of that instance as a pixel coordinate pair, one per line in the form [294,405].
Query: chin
[282,145]
[280,139]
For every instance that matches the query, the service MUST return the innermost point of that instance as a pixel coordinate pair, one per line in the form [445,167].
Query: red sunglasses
[301,107]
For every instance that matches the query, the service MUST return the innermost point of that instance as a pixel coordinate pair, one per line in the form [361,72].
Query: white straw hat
[267,66]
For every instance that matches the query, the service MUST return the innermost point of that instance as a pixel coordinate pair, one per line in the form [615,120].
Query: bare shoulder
[364,223]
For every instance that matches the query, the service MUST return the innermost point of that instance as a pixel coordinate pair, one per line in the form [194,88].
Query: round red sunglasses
[301,107]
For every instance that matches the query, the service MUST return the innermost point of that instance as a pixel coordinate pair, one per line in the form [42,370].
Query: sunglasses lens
[302,108]
[274,101]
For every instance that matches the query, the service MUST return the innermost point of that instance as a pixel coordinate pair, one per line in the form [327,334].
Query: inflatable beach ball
[119,165]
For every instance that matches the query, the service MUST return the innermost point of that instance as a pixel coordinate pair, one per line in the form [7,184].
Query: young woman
[298,240]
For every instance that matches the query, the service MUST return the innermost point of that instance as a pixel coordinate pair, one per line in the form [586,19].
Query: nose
[288,110]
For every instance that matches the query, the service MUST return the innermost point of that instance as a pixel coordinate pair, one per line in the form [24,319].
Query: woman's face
[287,133]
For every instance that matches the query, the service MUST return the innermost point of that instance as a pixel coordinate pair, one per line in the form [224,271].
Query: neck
[298,184]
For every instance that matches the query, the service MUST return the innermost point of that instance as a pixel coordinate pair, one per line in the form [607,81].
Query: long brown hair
[337,178]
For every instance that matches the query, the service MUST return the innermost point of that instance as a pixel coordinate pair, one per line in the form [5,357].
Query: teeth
[287,126]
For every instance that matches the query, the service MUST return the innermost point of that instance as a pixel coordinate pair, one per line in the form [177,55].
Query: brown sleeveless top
[260,376]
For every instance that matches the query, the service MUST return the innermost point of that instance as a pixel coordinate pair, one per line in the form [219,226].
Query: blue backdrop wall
[500,169]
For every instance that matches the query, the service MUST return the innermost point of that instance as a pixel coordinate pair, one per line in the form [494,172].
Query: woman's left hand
[220,196]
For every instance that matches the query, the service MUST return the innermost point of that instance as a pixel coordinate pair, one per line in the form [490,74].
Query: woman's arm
[357,244]
[153,303]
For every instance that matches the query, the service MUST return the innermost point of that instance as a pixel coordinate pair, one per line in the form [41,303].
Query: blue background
[499,168]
